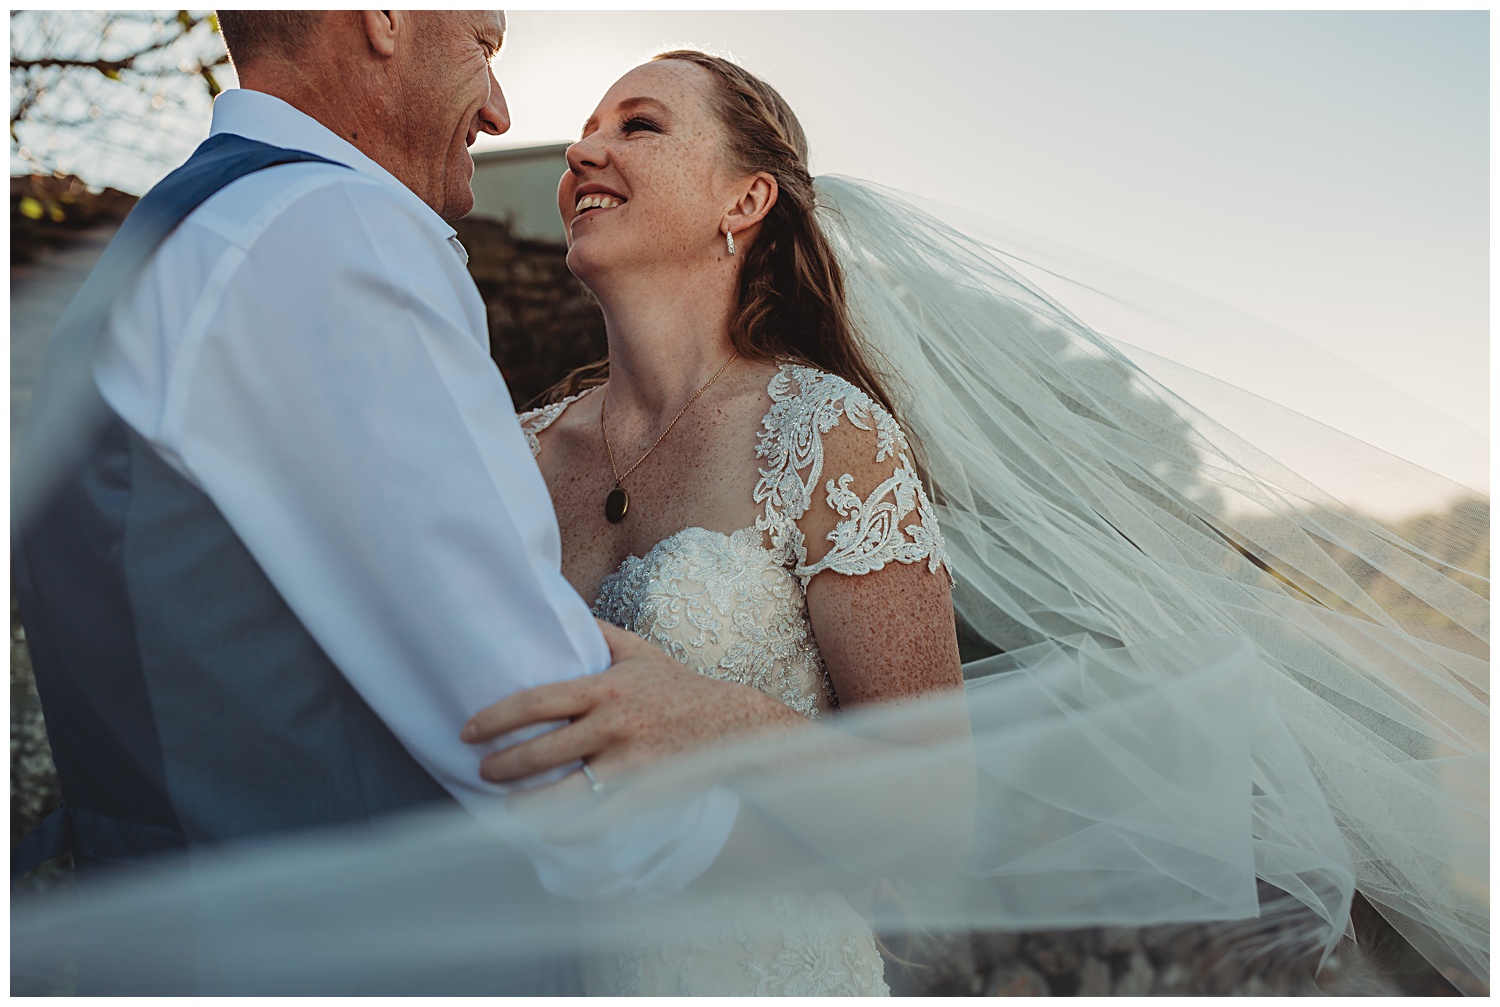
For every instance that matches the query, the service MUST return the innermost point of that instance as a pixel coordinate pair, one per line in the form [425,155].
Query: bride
[742,492]
[738,492]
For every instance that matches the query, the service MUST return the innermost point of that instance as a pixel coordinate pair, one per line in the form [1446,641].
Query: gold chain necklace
[617,502]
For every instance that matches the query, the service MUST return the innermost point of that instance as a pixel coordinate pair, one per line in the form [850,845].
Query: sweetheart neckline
[619,570]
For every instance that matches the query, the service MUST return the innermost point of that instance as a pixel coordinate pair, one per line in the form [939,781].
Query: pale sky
[1326,172]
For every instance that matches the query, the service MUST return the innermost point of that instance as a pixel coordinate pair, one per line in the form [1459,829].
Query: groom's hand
[646,707]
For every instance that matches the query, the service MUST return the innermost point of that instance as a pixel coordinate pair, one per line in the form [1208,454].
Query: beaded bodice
[735,606]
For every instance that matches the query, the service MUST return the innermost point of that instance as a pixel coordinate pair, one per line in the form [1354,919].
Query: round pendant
[616,504]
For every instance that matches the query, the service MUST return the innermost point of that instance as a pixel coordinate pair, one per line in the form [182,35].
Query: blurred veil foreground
[1216,693]
[447,903]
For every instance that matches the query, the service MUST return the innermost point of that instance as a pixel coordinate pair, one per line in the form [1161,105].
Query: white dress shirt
[308,349]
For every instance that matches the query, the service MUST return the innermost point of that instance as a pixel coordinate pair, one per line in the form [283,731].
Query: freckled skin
[885,636]
[671,173]
[703,474]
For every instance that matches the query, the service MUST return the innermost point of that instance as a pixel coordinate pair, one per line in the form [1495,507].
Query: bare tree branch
[109,67]
[114,96]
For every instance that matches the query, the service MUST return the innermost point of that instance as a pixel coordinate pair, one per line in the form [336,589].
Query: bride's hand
[645,708]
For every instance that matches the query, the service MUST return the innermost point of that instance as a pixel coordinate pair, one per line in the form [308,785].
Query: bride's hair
[791,290]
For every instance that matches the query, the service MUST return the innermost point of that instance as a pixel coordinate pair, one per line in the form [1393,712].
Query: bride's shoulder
[813,406]
[839,482]
[534,421]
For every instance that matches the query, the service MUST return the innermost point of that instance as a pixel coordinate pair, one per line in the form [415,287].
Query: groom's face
[450,96]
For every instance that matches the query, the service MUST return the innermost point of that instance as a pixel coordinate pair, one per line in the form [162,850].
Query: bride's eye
[637,123]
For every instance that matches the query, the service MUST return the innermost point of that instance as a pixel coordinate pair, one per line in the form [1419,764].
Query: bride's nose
[586,153]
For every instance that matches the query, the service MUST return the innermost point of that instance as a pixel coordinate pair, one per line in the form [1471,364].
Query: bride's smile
[597,198]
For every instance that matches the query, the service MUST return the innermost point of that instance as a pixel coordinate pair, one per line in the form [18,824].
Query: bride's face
[646,185]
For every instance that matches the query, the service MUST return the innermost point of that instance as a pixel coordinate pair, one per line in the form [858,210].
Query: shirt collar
[260,116]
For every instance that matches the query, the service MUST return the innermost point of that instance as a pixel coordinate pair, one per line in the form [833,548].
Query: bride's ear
[752,207]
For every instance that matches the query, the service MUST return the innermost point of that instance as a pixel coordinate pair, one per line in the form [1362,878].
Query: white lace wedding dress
[735,608]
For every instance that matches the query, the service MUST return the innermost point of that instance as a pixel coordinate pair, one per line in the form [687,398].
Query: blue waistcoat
[185,703]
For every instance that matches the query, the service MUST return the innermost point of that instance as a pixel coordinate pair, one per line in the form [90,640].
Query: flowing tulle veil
[1208,681]
[1088,504]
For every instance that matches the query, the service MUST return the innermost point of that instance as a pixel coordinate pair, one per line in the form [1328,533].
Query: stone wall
[1202,960]
[33,780]
[543,322]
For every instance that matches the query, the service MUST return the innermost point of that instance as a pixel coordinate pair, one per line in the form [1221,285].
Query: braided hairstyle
[791,288]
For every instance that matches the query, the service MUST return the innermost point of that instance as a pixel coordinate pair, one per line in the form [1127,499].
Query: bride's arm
[889,642]
[880,602]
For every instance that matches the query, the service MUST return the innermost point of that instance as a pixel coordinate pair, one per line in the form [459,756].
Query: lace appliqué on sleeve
[534,421]
[895,522]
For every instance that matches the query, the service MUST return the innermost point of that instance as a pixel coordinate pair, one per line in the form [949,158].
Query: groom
[310,541]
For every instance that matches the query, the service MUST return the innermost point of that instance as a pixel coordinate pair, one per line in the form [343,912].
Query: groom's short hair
[251,34]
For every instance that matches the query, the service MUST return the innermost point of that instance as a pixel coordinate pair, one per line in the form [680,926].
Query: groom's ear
[753,206]
[383,27]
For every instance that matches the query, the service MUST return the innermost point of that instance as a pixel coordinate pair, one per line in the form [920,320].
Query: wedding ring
[594,783]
